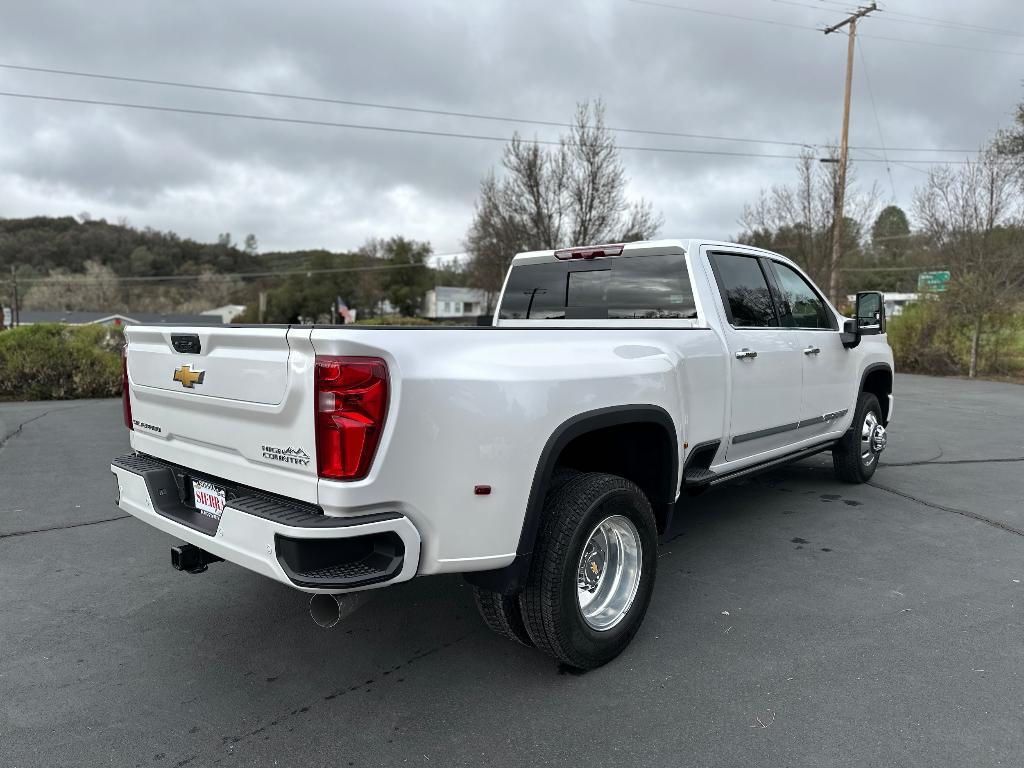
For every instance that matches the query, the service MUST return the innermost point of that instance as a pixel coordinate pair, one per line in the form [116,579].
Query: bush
[395,320]
[59,362]
[925,339]
[922,342]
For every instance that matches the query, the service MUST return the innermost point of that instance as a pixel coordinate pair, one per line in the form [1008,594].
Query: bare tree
[974,220]
[573,194]
[797,219]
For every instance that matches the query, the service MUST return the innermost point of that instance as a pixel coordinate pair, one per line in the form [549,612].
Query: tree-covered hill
[41,245]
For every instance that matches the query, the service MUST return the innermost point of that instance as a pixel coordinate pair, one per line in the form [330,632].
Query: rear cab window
[744,288]
[647,286]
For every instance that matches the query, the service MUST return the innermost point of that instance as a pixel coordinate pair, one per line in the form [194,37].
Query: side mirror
[870,313]
[869,319]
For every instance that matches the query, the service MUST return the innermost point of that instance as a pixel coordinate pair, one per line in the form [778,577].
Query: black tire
[549,602]
[501,614]
[846,455]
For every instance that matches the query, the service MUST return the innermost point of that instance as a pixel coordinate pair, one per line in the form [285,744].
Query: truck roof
[665,245]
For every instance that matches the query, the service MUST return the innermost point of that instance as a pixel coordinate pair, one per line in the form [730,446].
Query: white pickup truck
[542,456]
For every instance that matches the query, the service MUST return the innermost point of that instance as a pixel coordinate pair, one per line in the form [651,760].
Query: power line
[945,45]
[429,111]
[219,276]
[908,18]
[1008,260]
[950,22]
[704,11]
[816,29]
[374,105]
[878,123]
[360,126]
[956,27]
[415,131]
[889,161]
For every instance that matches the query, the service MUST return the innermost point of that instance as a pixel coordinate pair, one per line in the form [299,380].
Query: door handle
[812,351]
[746,354]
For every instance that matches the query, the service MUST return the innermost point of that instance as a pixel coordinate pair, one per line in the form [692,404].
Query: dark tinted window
[801,306]
[744,290]
[633,287]
[535,291]
[588,288]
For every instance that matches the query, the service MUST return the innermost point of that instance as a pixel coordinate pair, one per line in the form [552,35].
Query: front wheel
[592,572]
[855,456]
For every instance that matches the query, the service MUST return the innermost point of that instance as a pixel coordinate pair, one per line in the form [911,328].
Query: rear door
[829,369]
[765,361]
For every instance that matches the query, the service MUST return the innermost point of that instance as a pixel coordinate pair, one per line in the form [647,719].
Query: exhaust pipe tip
[325,610]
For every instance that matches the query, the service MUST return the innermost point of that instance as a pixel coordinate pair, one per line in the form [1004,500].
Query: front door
[764,358]
[829,369]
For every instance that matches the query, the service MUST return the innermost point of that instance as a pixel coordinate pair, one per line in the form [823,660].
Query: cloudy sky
[682,69]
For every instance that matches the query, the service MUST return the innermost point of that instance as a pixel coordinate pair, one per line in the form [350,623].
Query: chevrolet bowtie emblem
[188,377]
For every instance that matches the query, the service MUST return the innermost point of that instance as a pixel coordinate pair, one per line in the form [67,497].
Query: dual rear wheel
[591,575]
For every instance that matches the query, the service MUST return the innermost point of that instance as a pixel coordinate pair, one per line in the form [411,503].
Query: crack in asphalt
[366,687]
[4,441]
[17,432]
[62,527]
[24,424]
[954,510]
[952,461]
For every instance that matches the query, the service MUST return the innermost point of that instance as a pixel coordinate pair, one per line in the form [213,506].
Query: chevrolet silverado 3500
[542,457]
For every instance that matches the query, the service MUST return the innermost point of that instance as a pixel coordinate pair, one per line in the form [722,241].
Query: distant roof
[457,293]
[31,317]
[233,309]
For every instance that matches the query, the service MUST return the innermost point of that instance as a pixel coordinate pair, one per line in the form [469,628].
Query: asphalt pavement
[796,621]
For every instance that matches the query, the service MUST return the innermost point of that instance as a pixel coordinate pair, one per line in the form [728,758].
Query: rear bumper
[304,549]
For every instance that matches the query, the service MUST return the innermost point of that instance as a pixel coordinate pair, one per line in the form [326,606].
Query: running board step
[698,476]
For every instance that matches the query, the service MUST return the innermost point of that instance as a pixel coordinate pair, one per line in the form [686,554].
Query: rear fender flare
[510,578]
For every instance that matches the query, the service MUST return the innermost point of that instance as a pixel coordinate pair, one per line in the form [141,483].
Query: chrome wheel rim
[872,438]
[609,572]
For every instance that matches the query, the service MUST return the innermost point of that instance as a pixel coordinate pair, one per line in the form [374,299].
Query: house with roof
[449,302]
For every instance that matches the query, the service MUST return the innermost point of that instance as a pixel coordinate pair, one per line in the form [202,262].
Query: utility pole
[14,309]
[837,225]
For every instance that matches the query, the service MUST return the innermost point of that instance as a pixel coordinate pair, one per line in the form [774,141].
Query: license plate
[209,498]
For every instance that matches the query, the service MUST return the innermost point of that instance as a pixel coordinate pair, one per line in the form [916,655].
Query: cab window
[744,289]
[800,305]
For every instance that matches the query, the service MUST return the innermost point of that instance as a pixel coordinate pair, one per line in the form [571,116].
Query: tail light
[351,403]
[126,402]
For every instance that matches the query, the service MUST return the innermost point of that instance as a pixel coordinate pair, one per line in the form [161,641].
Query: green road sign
[932,281]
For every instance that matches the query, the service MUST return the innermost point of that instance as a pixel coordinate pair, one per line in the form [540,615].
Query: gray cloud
[304,186]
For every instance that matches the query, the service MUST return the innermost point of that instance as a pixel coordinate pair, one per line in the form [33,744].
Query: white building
[894,302]
[227,313]
[446,302]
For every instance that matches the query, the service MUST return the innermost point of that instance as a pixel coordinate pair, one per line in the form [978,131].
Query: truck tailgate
[247,364]
[232,402]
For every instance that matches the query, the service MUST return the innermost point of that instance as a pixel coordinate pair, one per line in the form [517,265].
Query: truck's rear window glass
[588,288]
[744,290]
[645,287]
